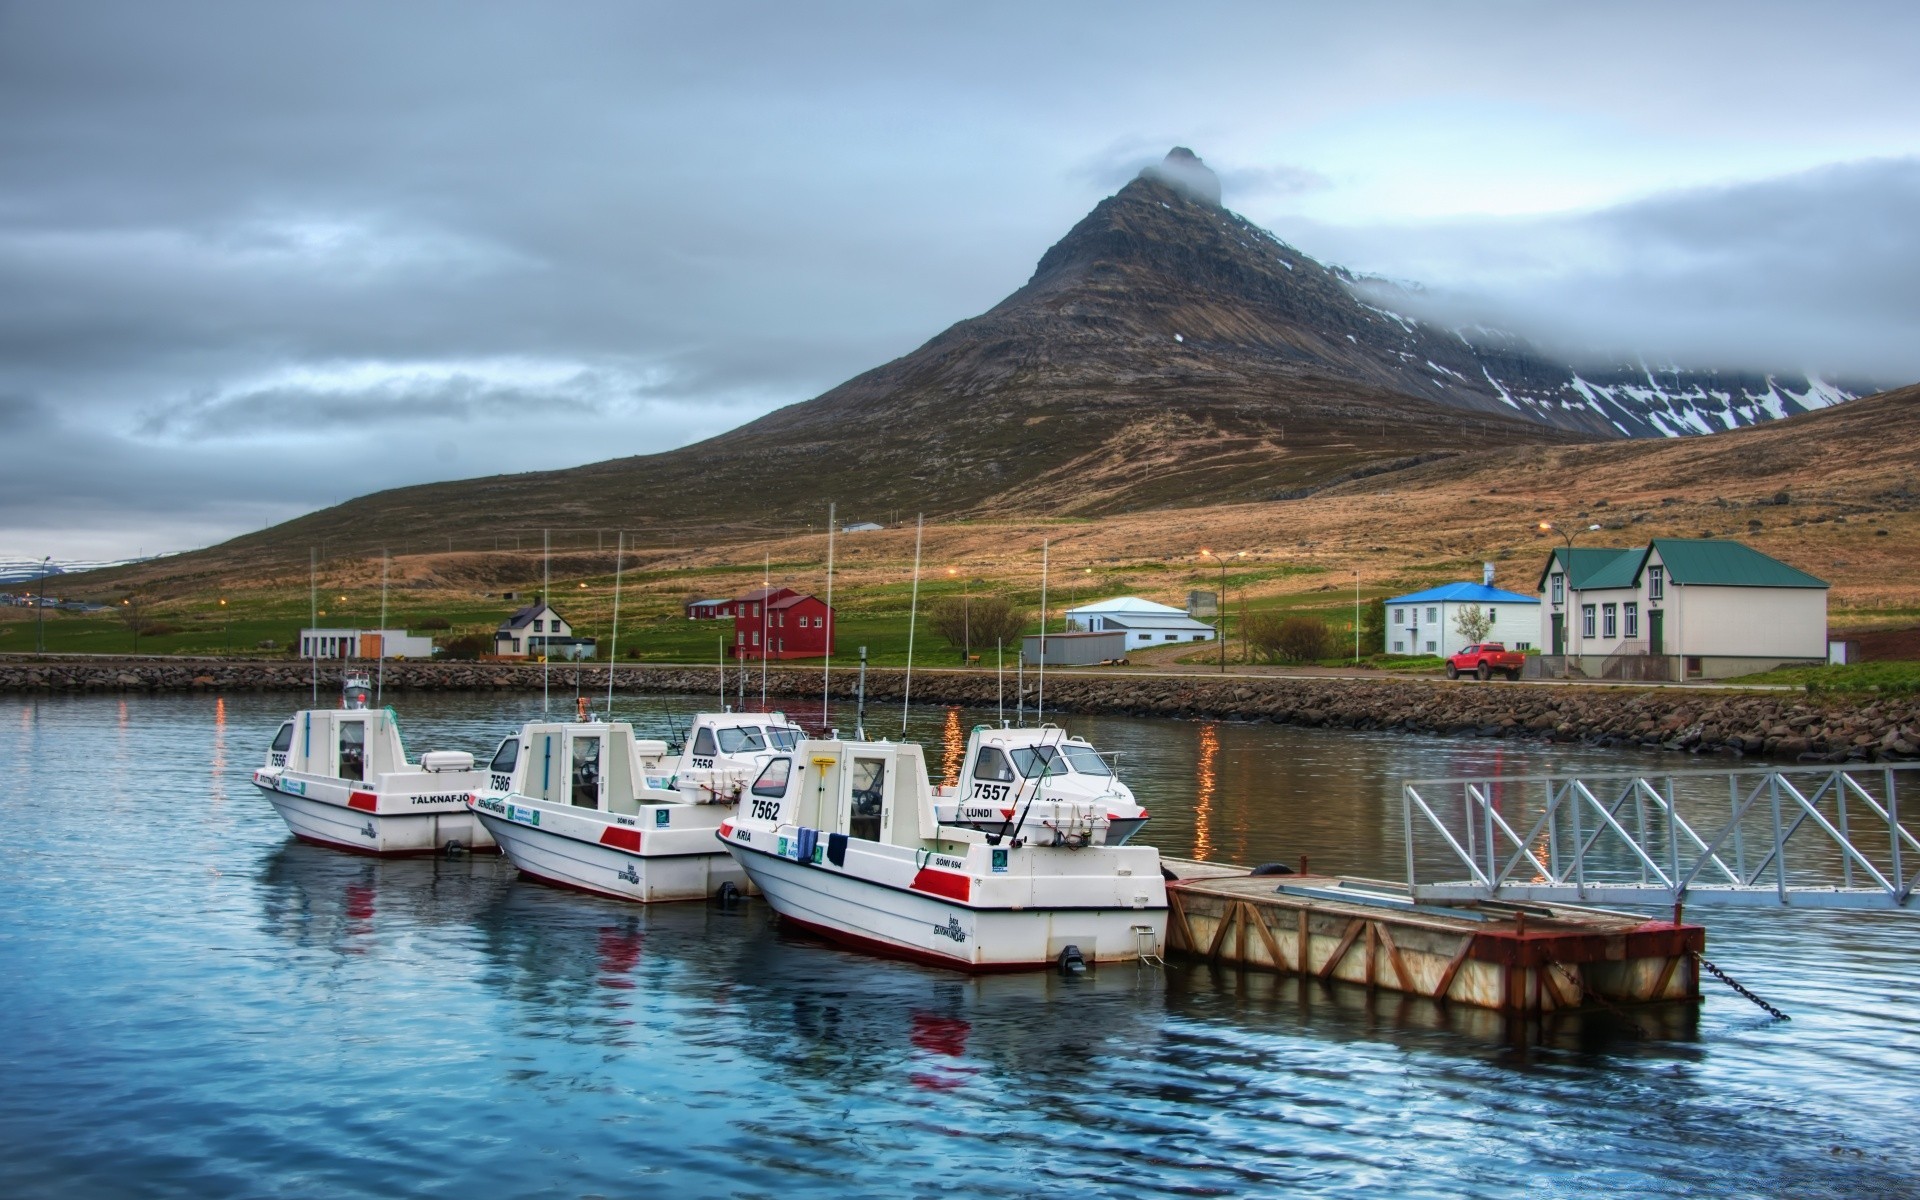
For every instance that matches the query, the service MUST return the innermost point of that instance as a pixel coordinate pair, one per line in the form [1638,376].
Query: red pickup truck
[1486,660]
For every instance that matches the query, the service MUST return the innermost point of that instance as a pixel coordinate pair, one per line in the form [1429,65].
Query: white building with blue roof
[1427,622]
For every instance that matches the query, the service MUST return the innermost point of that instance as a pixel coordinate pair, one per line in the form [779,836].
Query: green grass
[1900,678]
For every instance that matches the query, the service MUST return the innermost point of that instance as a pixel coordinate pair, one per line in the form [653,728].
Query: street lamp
[1221,631]
[1568,536]
[226,625]
[40,609]
[966,616]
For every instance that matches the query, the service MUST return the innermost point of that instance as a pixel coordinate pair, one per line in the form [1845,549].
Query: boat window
[283,741]
[869,783]
[741,740]
[353,750]
[1035,761]
[506,756]
[586,772]
[783,739]
[773,778]
[992,766]
[703,743]
[1085,760]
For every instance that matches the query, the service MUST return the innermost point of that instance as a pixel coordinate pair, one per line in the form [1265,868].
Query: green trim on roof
[1620,571]
[1713,563]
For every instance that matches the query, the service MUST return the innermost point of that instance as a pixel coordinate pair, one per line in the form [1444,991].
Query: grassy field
[1902,678]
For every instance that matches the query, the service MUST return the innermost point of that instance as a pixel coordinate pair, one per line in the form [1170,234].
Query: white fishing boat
[722,753]
[341,777]
[570,804]
[1006,770]
[843,840]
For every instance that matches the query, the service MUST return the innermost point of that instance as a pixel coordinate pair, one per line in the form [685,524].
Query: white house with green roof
[1677,608]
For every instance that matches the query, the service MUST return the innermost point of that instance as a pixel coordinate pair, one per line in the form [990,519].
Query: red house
[781,623]
[708,610]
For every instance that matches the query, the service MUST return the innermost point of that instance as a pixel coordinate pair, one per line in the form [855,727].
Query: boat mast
[826,671]
[913,611]
[613,652]
[546,602]
[766,585]
[380,676]
[1000,676]
[313,618]
[1040,701]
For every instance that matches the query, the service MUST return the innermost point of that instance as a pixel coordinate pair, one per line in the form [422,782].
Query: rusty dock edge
[1521,959]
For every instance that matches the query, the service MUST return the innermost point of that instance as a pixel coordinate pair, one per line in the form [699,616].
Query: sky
[259,259]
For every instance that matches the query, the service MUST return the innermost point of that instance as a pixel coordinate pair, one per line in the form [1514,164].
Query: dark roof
[790,601]
[1707,562]
[525,616]
[1727,564]
[764,594]
[1579,563]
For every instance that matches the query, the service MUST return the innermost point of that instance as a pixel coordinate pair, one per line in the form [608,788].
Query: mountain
[1165,352]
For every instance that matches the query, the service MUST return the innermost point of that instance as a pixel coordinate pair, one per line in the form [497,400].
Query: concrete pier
[1513,958]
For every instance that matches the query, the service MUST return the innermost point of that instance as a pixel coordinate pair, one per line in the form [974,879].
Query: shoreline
[1777,725]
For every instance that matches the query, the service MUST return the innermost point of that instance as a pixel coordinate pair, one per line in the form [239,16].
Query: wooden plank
[1229,913]
[1354,929]
[1666,976]
[1245,913]
[1178,904]
[1266,935]
[1373,955]
[1453,968]
[1400,971]
[1306,946]
[1547,976]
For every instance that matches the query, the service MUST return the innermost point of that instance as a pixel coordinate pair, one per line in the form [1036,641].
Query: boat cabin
[1007,764]
[734,740]
[583,764]
[356,744]
[874,791]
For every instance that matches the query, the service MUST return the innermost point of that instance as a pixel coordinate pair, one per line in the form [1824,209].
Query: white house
[363,643]
[1428,622]
[862,527]
[1679,608]
[537,629]
[1144,622]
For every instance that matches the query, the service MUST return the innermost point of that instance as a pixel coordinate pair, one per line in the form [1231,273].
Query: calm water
[191,1004]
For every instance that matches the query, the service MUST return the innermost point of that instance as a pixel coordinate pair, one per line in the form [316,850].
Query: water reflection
[953,746]
[1203,785]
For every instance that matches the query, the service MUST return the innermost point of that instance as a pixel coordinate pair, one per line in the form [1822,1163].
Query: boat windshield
[505,757]
[1035,761]
[283,741]
[1085,760]
[783,738]
[741,739]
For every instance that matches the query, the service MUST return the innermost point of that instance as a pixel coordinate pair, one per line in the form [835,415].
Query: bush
[157,629]
[1294,639]
[467,647]
[433,623]
[976,621]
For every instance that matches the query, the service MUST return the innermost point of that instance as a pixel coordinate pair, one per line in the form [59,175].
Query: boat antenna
[313,618]
[1045,763]
[1040,702]
[913,611]
[721,642]
[826,671]
[1020,686]
[380,675]
[860,702]
[546,602]
[1000,675]
[613,652]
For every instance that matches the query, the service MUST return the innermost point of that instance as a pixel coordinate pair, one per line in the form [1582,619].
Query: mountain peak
[1183,171]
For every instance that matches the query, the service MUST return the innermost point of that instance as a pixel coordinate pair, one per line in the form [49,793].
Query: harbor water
[191,1004]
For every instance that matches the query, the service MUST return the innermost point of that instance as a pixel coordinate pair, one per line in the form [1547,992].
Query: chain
[1589,994]
[1731,982]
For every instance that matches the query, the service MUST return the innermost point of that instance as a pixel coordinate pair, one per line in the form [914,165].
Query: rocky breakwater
[1778,725]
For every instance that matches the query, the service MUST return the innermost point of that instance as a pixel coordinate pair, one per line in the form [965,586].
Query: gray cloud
[255,259]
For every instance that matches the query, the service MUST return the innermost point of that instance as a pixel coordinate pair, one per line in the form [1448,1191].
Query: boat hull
[571,860]
[382,835]
[928,929]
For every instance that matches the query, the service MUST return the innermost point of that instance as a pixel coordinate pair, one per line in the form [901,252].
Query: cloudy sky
[256,259]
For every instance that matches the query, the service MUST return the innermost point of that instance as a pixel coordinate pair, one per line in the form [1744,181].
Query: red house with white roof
[781,623]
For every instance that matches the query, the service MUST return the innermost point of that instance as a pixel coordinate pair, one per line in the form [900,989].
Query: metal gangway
[1805,837]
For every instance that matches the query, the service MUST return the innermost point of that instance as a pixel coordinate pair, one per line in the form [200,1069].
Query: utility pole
[40,609]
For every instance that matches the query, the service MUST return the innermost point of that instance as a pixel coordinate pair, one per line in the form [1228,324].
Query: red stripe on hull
[944,884]
[925,958]
[364,801]
[620,839]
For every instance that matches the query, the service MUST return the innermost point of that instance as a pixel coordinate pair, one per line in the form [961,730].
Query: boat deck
[1515,958]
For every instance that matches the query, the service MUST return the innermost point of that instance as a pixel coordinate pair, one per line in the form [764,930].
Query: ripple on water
[194,1005]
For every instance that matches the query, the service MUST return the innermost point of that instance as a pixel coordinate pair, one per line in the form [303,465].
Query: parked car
[1485,660]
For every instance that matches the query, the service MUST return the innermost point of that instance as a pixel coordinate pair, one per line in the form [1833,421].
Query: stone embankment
[1778,725]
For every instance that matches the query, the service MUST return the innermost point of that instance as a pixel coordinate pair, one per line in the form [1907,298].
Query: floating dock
[1524,959]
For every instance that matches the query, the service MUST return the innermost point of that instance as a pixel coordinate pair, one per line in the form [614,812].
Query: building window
[1610,620]
[1559,588]
[739,639]
[1633,619]
[1398,613]
[1432,648]
[1171,637]
[1433,614]
[1523,645]
[1399,647]
[756,637]
[1656,583]
[1586,620]
[1491,618]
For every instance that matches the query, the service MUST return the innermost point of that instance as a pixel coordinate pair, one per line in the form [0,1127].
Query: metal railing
[1808,837]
